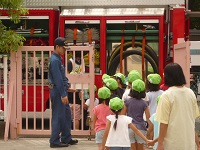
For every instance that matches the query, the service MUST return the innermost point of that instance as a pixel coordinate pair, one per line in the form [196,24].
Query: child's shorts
[136,138]
[77,111]
[99,136]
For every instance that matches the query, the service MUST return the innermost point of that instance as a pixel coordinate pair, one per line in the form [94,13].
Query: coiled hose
[148,50]
[115,62]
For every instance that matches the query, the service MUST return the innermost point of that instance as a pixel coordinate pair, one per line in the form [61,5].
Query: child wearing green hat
[112,85]
[135,107]
[104,77]
[120,78]
[116,134]
[132,76]
[86,107]
[87,102]
[153,81]
[101,111]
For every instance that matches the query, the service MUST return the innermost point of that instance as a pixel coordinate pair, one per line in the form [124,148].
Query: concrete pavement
[43,144]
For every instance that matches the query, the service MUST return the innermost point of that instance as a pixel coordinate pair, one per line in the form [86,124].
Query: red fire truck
[40,28]
[136,36]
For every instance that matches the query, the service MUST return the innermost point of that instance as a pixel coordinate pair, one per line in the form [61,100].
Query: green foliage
[9,40]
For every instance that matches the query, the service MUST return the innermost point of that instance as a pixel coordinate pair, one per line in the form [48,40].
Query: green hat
[111,83]
[95,88]
[138,85]
[104,93]
[154,78]
[134,75]
[158,99]
[121,76]
[72,72]
[150,69]
[105,76]
[116,104]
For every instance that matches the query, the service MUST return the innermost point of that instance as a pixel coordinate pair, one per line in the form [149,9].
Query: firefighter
[58,83]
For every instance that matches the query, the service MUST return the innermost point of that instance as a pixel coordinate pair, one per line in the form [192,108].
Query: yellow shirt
[178,108]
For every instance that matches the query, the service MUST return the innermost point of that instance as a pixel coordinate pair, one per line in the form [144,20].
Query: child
[135,107]
[154,126]
[104,77]
[75,107]
[154,91]
[112,85]
[120,78]
[116,134]
[87,102]
[132,76]
[101,111]
[87,107]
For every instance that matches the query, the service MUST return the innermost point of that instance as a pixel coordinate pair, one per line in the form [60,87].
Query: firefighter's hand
[65,100]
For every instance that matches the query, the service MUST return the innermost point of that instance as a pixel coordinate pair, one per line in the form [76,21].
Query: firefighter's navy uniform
[61,117]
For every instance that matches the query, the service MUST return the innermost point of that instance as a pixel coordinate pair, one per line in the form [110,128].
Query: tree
[9,40]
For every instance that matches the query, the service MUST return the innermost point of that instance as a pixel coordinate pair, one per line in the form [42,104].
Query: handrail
[10,99]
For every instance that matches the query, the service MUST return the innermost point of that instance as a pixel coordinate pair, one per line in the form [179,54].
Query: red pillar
[161,46]
[177,25]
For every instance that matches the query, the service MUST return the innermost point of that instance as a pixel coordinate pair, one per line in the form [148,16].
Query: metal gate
[3,86]
[32,103]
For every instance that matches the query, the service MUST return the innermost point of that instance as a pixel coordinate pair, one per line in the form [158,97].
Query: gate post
[12,79]
[5,77]
[182,57]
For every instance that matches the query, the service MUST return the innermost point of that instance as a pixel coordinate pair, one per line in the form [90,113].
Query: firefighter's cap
[60,41]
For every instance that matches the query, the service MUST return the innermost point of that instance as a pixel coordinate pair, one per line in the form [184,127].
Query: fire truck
[127,35]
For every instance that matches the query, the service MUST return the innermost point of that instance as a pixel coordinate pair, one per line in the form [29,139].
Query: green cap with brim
[150,70]
[105,76]
[95,88]
[116,104]
[134,75]
[138,85]
[104,93]
[111,83]
[154,78]
[121,76]
[158,99]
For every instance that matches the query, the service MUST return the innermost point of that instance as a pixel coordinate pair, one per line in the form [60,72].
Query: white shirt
[120,136]
[126,93]
[96,102]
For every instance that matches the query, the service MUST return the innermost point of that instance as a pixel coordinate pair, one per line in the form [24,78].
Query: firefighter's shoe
[58,145]
[72,142]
